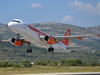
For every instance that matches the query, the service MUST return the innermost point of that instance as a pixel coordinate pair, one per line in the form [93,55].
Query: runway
[82,73]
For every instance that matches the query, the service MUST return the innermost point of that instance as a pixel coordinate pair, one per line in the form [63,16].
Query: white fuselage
[33,36]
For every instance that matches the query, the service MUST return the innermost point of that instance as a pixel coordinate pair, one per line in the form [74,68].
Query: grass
[48,69]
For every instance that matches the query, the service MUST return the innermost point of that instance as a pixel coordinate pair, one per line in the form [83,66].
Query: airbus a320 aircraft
[35,36]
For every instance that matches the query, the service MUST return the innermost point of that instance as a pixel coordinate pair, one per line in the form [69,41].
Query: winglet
[79,38]
[98,35]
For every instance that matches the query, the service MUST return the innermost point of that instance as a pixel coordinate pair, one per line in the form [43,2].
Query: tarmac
[81,73]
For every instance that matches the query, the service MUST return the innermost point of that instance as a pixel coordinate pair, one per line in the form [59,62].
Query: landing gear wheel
[50,49]
[29,50]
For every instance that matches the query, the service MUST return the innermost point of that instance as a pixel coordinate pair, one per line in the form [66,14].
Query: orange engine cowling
[15,42]
[49,39]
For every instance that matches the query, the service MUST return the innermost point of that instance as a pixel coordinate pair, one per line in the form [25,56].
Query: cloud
[67,18]
[85,7]
[36,5]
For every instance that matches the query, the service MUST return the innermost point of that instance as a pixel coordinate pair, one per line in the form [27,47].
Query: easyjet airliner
[35,36]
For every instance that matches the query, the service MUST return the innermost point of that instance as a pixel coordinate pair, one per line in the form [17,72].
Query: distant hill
[10,53]
[60,29]
[53,28]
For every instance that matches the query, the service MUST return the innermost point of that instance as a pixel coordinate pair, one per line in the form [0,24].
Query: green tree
[1,64]
[16,65]
[75,62]
[63,61]
[36,63]
[55,62]
[78,62]
[52,62]
[27,64]
[5,64]
[42,63]
[10,65]
[94,64]
[48,62]
[85,64]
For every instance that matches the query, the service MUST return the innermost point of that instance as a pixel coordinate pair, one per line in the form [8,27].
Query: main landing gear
[50,49]
[29,50]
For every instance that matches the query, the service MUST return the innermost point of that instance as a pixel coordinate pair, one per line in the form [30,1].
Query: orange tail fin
[66,41]
[68,32]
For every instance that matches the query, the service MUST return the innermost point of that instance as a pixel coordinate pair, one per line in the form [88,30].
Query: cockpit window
[16,21]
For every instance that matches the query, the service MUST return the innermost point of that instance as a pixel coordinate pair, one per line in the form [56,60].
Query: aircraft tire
[30,50]
[50,49]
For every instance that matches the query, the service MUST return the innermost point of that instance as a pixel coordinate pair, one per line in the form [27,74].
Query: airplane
[39,38]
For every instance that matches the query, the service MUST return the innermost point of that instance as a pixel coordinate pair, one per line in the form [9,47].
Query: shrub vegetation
[62,62]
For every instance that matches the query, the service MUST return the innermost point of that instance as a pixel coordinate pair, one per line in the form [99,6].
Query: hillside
[60,29]
[11,53]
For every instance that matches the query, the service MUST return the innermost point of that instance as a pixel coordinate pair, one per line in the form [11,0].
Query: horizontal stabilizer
[73,48]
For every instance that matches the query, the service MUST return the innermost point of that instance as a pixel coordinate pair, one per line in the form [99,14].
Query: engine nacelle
[49,39]
[15,42]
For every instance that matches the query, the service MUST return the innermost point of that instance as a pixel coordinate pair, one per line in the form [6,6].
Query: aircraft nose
[10,24]
[13,26]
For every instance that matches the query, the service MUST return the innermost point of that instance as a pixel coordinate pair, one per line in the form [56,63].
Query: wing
[6,40]
[60,38]
[22,39]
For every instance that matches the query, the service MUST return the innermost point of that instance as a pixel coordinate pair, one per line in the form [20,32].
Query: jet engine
[49,39]
[16,42]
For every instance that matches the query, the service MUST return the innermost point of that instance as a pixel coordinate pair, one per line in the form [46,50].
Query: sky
[84,13]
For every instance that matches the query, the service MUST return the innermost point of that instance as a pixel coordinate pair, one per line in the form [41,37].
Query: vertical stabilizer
[68,32]
[66,41]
